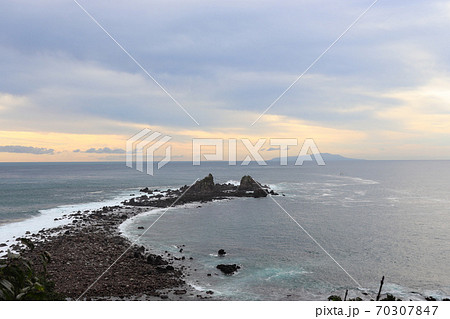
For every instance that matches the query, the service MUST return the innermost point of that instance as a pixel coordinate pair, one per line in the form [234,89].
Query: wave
[233,182]
[357,180]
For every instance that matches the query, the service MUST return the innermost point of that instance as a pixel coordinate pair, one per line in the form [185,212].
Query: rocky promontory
[90,260]
[204,190]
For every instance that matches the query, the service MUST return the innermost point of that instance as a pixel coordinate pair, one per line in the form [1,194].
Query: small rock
[180,292]
[221,252]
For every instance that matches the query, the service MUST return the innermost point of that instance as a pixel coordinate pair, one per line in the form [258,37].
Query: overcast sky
[68,92]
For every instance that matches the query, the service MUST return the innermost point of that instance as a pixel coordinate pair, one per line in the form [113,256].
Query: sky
[68,92]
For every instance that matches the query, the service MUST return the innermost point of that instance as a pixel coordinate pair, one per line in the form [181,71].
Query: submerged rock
[221,252]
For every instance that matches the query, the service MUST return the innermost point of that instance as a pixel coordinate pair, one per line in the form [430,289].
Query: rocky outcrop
[204,190]
[249,184]
[205,185]
[221,253]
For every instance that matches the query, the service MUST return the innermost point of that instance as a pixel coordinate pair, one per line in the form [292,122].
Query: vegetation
[19,280]
[334,298]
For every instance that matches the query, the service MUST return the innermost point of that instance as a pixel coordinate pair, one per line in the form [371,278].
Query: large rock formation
[202,191]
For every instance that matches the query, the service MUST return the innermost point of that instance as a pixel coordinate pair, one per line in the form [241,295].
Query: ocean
[374,218]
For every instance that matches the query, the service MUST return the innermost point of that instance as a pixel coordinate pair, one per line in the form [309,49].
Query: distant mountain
[327,157]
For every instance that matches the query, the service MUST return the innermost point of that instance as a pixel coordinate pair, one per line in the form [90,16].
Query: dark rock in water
[209,275]
[156,260]
[228,269]
[170,268]
[210,292]
[180,292]
[164,297]
[430,298]
[221,252]
[140,227]
[3,245]
[181,250]
[446,299]
[146,190]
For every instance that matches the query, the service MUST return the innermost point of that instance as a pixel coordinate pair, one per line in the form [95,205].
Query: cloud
[105,150]
[225,63]
[26,150]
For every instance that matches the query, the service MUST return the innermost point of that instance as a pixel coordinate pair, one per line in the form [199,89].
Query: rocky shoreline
[91,246]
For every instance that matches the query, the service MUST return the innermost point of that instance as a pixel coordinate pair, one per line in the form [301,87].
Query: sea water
[334,227]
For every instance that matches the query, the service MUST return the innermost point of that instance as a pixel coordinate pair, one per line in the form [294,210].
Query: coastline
[89,242]
[82,250]
[93,260]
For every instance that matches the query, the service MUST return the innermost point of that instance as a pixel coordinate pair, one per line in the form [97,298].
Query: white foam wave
[123,228]
[233,182]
